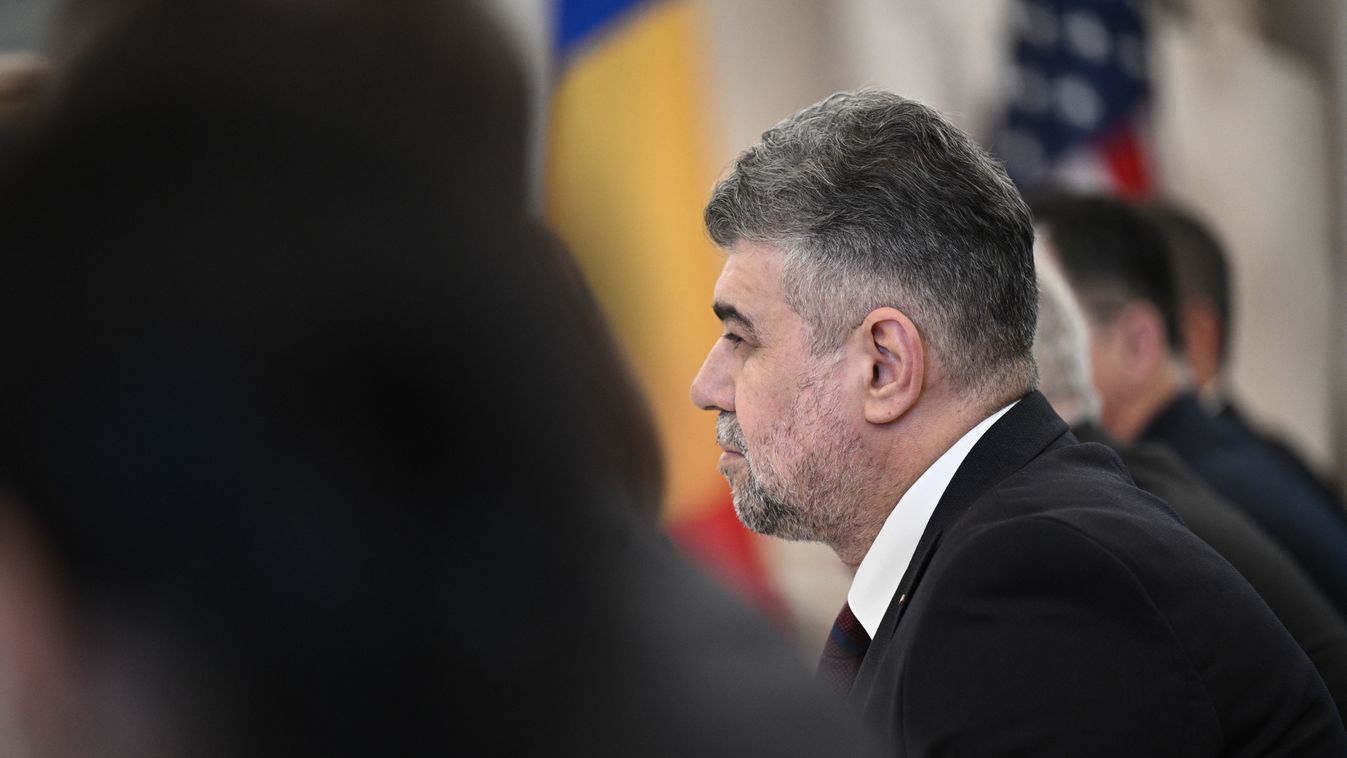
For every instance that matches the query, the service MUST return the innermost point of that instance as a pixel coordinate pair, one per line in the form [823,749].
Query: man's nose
[712,389]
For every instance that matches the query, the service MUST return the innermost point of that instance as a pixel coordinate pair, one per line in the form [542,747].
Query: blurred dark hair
[1111,254]
[614,402]
[1201,268]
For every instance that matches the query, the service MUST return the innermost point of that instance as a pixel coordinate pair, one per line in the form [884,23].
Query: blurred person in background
[314,445]
[1118,266]
[1202,276]
[1061,348]
[1015,593]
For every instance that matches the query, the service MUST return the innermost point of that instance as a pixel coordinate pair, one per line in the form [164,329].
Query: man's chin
[769,520]
[753,522]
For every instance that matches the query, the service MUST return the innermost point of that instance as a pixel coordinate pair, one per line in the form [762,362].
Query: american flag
[1079,96]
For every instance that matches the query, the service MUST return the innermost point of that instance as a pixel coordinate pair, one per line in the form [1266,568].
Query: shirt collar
[886,561]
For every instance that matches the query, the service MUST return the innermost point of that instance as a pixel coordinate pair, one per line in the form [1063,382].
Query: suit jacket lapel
[920,560]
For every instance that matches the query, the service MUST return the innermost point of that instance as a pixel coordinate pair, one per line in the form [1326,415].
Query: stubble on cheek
[810,493]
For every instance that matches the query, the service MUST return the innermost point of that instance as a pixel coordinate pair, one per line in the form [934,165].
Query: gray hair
[878,201]
[1061,347]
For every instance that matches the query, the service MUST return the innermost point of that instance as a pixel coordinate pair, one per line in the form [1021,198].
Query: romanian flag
[628,171]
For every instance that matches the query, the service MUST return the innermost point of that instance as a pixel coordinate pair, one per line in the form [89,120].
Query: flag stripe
[1127,163]
[580,20]
[627,174]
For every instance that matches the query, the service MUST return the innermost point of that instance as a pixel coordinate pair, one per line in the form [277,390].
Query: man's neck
[908,447]
[1214,395]
[1128,422]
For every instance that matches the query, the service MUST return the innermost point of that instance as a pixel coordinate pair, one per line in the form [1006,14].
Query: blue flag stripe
[579,20]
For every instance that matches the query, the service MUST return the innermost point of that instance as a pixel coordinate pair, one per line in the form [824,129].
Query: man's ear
[1142,337]
[894,356]
[1202,338]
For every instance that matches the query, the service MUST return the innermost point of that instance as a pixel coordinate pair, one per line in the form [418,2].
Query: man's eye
[732,338]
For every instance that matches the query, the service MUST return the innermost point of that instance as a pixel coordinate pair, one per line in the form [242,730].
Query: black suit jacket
[1293,596]
[1284,452]
[1288,509]
[1053,608]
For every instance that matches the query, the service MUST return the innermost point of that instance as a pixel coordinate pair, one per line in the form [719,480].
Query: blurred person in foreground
[313,444]
[1061,348]
[1202,277]
[1015,593]
[1118,266]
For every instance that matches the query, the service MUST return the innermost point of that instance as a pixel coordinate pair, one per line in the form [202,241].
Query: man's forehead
[752,275]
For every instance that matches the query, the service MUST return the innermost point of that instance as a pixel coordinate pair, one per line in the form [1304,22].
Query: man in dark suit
[1205,312]
[1117,264]
[1061,347]
[1015,593]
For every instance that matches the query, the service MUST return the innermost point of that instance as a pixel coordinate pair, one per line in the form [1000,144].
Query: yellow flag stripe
[626,181]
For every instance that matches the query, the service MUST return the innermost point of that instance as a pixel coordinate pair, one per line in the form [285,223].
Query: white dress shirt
[886,561]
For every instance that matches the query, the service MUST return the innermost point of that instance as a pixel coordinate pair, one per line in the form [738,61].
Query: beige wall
[1317,30]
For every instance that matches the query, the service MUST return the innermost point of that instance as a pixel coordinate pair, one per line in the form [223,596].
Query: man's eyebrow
[726,312]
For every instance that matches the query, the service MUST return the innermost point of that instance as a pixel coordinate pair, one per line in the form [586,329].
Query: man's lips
[727,447]
[728,454]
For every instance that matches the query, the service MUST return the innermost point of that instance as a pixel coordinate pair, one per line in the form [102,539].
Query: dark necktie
[843,652]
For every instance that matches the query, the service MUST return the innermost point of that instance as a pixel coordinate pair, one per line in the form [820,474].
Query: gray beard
[824,487]
[765,514]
